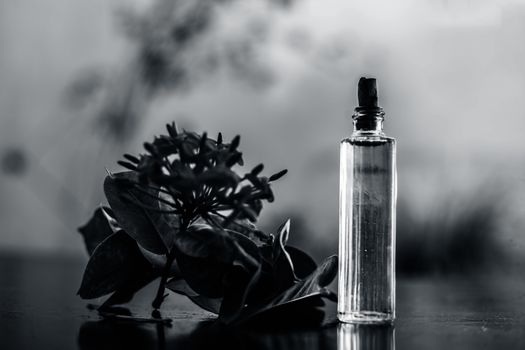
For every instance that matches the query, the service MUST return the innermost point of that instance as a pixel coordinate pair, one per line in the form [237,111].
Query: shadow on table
[106,334]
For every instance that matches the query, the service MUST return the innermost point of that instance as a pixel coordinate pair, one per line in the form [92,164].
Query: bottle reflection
[369,337]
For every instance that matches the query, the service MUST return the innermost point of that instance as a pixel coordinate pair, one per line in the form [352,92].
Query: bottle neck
[368,121]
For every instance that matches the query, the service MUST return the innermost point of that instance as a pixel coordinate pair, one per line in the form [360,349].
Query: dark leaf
[279,275]
[244,227]
[309,288]
[142,276]
[204,255]
[113,265]
[280,242]
[247,255]
[96,230]
[279,272]
[180,286]
[207,256]
[203,241]
[238,284]
[204,275]
[110,217]
[247,229]
[166,224]
[158,262]
[149,228]
[304,313]
[303,264]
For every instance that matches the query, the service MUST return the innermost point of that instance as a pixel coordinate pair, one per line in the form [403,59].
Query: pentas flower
[195,172]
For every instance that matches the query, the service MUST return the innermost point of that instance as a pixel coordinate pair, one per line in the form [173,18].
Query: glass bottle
[367,216]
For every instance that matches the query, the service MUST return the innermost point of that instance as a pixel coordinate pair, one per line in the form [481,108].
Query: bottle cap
[367,93]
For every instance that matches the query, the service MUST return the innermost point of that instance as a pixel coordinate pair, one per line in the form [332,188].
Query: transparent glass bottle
[367,216]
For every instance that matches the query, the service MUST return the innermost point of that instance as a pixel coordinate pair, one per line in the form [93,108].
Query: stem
[159,298]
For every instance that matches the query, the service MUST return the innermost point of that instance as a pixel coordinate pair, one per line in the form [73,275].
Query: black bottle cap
[367,93]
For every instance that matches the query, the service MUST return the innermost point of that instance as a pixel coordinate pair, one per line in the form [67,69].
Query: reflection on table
[365,337]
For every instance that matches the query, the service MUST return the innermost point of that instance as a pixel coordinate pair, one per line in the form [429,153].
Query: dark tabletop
[39,309]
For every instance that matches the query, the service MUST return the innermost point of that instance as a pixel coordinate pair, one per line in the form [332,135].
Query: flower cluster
[195,174]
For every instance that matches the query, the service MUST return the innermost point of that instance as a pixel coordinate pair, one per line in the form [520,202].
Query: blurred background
[81,83]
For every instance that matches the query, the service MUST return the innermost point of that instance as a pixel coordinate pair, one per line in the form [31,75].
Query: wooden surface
[39,309]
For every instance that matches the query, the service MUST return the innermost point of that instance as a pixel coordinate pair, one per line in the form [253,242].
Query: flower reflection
[369,337]
[195,334]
